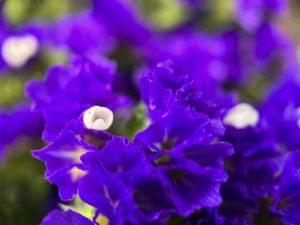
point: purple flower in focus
(180, 141)
(203, 158)
(172, 82)
(68, 91)
(185, 159)
(114, 177)
(63, 157)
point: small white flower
(17, 50)
(241, 116)
(98, 118)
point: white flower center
(17, 50)
(98, 118)
(241, 116)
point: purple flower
(287, 201)
(63, 158)
(177, 127)
(81, 33)
(251, 13)
(68, 91)
(213, 60)
(271, 44)
(109, 185)
(197, 55)
(186, 162)
(107, 194)
(252, 169)
(180, 141)
(69, 217)
(213, 216)
(281, 113)
(20, 121)
(177, 86)
(127, 25)
(192, 187)
(264, 47)
(204, 157)
(77, 34)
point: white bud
(17, 50)
(98, 118)
(241, 116)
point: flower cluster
(203, 153)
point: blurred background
(25, 196)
